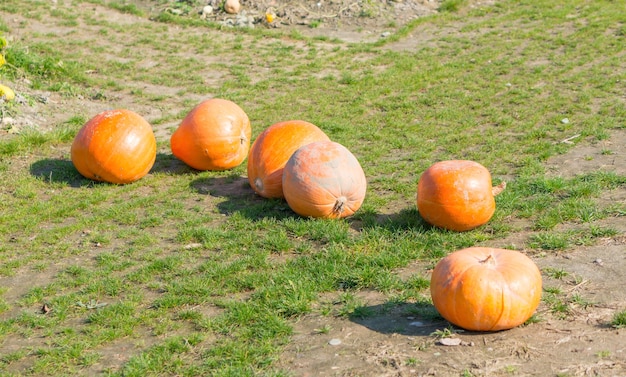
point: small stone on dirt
(450, 341)
(334, 342)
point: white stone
(334, 342)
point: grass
(204, 278)
(619, 319)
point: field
(188, 273)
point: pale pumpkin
(115, 146)
(324, 179)
(215, 135)
(271, 150)
(232, 6)
(486, 289)
(457, 195)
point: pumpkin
(323, 179)
(215, 135)
(115, 146)
(232, 6)
(457, 195)
(486, 289)
(271, 150)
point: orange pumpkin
(271, 150)
(457, 195)
(115, 146)
(324, 179)
(486, 289)
(215, 135)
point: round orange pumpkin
(323, 179)
(457, 195)
(271, 150)
(486, 289)
(115, 146)
(215, 135)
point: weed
(619, 320)
(556, 273)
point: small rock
(450, 341)
(416, 323)
(7, 121)
(565, 121)
(334, 342)
(45, 309)
(385, 34)
(206, 11)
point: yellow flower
(6, 92)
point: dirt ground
(393, 343)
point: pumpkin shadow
(409, 319)
(405, 219)
(167, 163)
(238, 197)
(59, 170)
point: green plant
(619, 319)
(451, 5)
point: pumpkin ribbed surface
(271, 150)
(215, 135)
(486, 289)
(456, 195)
(323, 179)
(115, 146)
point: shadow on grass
(167, 163)
(240, 198)
(58, 170)
(405, 219)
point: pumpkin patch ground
(583, 285)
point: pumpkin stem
(489, 257)
(497, 190)
(339, 204)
